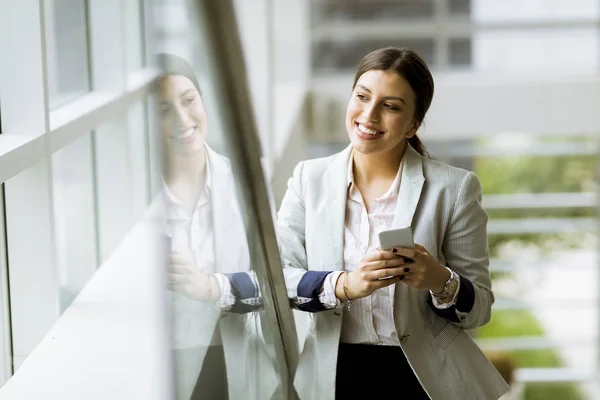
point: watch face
(452, 286)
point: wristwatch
(449, 288)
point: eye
(361, 96)
(188, 101)
(391, 107)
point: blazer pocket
(446, 336)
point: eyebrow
(186, 92)
(366, 89)
(164, 102)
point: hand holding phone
(401, 237)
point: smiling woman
(329, 239)
(183, 117)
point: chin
(364, 147)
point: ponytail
(419, 147)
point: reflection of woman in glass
(206, 235)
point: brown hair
(411, 67)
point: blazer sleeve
(303, 286)
(241, 294)
(465, 248)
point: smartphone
(402, 237)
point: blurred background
(82, 310)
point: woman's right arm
(303, 286)
(313, 291)
(240, 293)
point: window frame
(33, 131)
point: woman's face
(182, 115)
(380, 113)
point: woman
(402, 337)
(207, 240)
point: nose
(371, 112)
(182, 117)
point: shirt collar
(204, 198)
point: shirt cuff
(226, 299)
(443, 306)
(327, 294)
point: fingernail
(406, 269)
(401, 277)
(394, 250)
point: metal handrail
(227, 73)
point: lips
(367, 129)
(367, 132)
(187, 136)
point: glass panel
(5, 347)
(218, 345)
(333, 56)
(344, 10)
(461, 52)
(134, 34)
(459, 7)
(532, 51)
(74, 219)
(66, 49)
(534, 10)
(114, 184)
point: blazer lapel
(335, 188)
(411, 185)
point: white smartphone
(402, 237)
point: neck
(186, 169)
(369, 168)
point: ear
(413, 131)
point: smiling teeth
(187, 133)
(366, 130)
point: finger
(384, 264)
(177, 278)
(420, 248)
(178, 269)
(412, 279)
(379, 255)
(174, 287)
(404, 252)
(387, 272)
(385, 282)
(178, 258)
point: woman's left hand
(183, 277)
(425, 272)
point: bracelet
(449, 287)
(348, 299)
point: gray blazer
(442, 204)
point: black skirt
(367, 371)
(212, 381)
